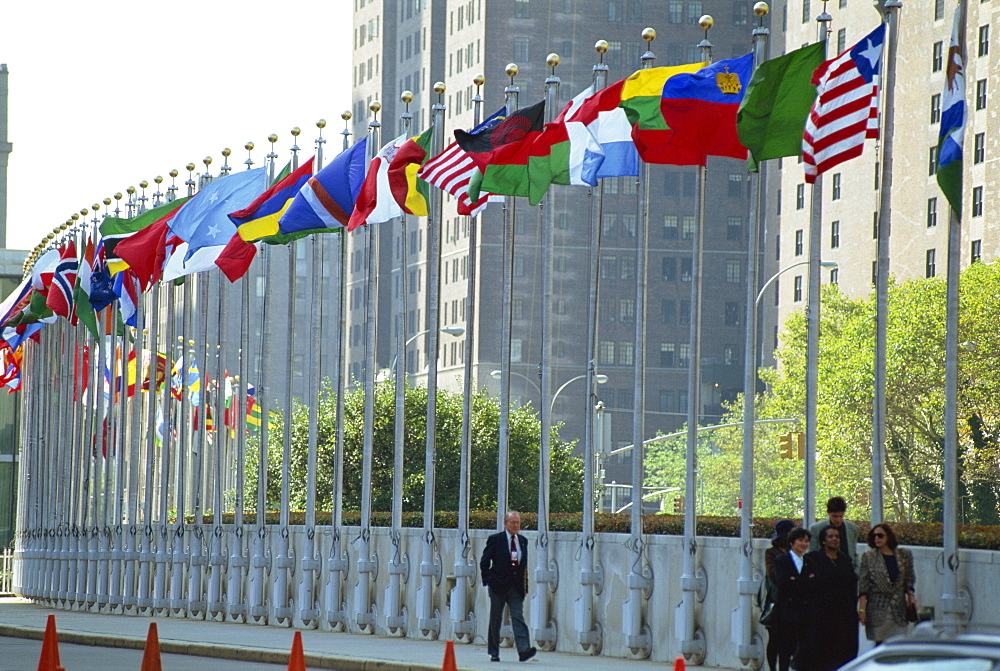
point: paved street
(21, 654)
(247, 643)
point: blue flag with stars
(204, 220)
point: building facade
(409, 45)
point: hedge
(974, 536)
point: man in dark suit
(505, 573)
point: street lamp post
(456, 331)
(600, 379)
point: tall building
(409, 45)
(850, 197)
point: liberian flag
(375, 203)
(845, 111)
(452, 170)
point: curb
(243, 654)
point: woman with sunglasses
(885, 585)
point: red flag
(236, 256)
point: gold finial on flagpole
(225, 161)
(249, 147)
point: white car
(929, 649)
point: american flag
(453, 168)
(845, 111)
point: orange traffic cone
(49, 659)
(151, 653)
(297, 660)
(679, 664)
(449, 657)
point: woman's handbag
(911, 612)
(767, 614)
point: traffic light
(792, 444)
(678, 505)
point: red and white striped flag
(451, 171)
(845, 111)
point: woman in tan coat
(885, 585)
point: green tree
(914, 409)
(566, 477)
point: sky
(111, 92)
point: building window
(522, 10)
(777, 247)
(669, 311)
(734, 274)
(669, 269)
(841, 40)
(684, 315)
(931, 212)
(515, 348)
(977, 251)
(800, 196)
(932, 161)
(666, 401)
(683, 355)
(777, 292)
(834, 234)
(875, 225)
(984, 40)
(930, 269)
(625, 353)
(937, 57)
(694, 11)
(981, 94)
(521, 49)
(878, 175)
(799, 242)
(606, 352)
(675, 11)
(628, 225)
(979, 148)
(606, 310)
(874, 273)
(797, 289)
(625, 399)
(671, 184)
(686, 270)
(741, 13)
(734, 228)
(628, 268)
(731, 355)
(938, 10)
(609, 267)
(687, 226)
(735, 185)
(805, 11)
(977, 201)
(732, 313)
(670, 226)
(836, 186)
(626, 310)
(611, 186)
(614, 10)
(517, 308)
(630, 185)
(835, 276)
(936, 108)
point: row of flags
(679, 115)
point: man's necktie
(513, 551)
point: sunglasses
(879, 535)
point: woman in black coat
(831, 636)
(791, 574)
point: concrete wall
(717, 556)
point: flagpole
(84, 418)
(238, 561)
(261, 562)
(104, 467)
(750, 648)
(693, 577)
(146, 557)
(882, 264)
(131, 541)
(336, 608)
(546, 570)
(398, 564)
(284, 562)
(115, 596)
(66, 474)
(428, 621)
(197, 605)
(161, 603)
(956, 600)
(178, 557)
(812, 321)
(310, 564)
(463, 620)
(638, 637)
(363, 611)
(591, 580)
(216, 558)
(506, 326)
(75, 465)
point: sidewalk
(324, 650)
